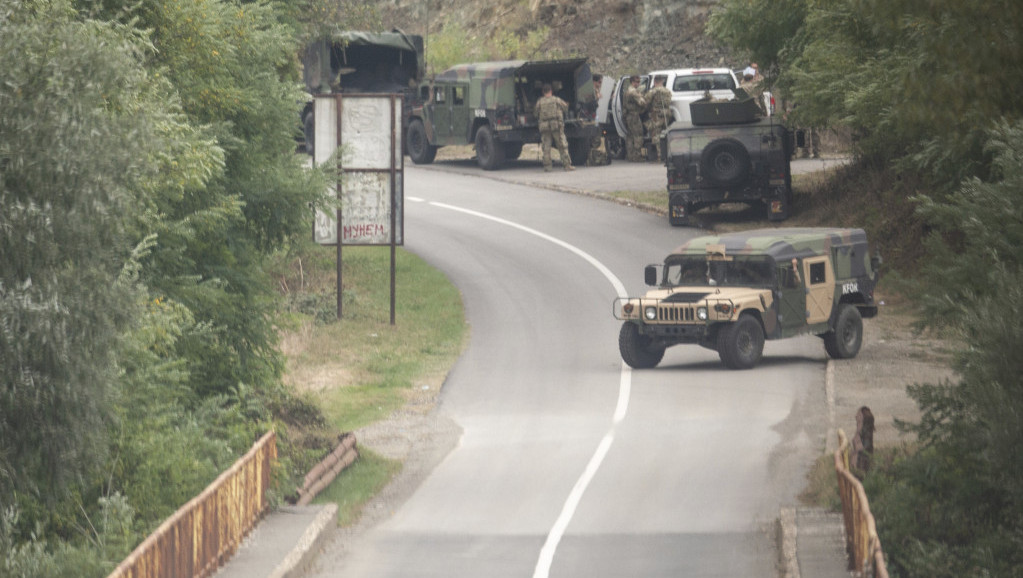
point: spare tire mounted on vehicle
(725, 162)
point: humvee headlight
(650, 313)
(701, 313)
(627, 308)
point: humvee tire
(489, 151)
(637, 350)
(741, 344)
(726, 162)
(579, 150)
(845, 341)
(615, 147)
(419, 148)
(512, 150)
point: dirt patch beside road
(892, 357)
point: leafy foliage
(957, 508)
(69, 97)
(919, 82)
(147, 169)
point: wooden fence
(206, 531)
(861, 542)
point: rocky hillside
(619, 36)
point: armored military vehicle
(730, 293)
(729, 154)
(491, 105)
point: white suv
(689, 84)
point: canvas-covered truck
(728, 154)
(732, 292)
(362, 62)
(492, 105)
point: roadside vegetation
(147, 177)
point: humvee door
(820, 288)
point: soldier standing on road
(635, 104)
(658, 101)
(550, 113)
(598, 150)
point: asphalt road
(570, 464)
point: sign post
(366, 128)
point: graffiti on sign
(366, 209)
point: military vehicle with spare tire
(492, 105)
(732, 292)
(729, 154)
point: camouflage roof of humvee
(781, 244)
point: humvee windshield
(691, 271)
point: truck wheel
(725, 162)
(489, 151)
(579, 150)
(638, 350)
(741, 344)
(512, 150)
(845, 341)
(615, 146)
(419, 148)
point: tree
(233, 66)
(72, 98)
(918, 82)
(956, 508)
(768, 31)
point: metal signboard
(367, 130)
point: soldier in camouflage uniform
(598, 150)
(635, 105)
(550, 113)
(658, 101)
(754, 88)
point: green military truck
(729, 154)
(731, 292)
(491, 105)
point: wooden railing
(203, 534)
(861, 542)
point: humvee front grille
(676, 313)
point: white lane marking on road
(543, 564)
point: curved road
(570, 464)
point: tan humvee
(731, 292)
